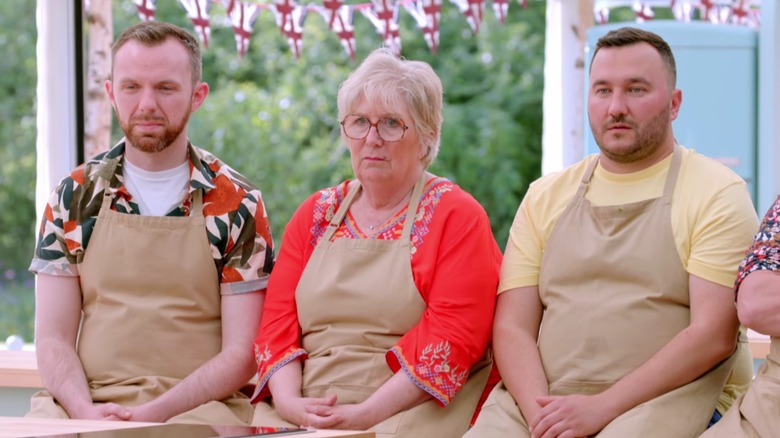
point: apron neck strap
(414, 202)
(353, 191)
(586, 178)
(196, 209)
(671, 176)
(197, 203)
(335, 221)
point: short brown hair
(627, 36)
(154, 33)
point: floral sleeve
(764, 252)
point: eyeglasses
(388, 129)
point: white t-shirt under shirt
(156, 193)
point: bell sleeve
(457, 277)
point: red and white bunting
(601, 15)
(289, 17)
(340, 18)
(198, 13)
(384, 17)
(643, 12)
(145, 9)
(427, 14)
(683, 10)
(473, 10)
(242, 17)
(501, 9)
(709, 11)
(740, 12)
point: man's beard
(153, 142)
(649, 138)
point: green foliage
(491, 140)
(17, 309)
(273, 117)
(17, 165)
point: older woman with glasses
(380, 306)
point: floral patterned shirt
(764, 252)
(455, 265)
(236, 222)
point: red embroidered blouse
(455, 263)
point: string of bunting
(290, 16)
(384, 15)
(737, 12)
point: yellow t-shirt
(713, 223)
(713, 218)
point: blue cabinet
(717, 73)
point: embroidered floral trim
(324, 209)
(265, 370)
(433, 372)
(329, 199)
(436, 189)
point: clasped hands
(324, 413)
(569, 416)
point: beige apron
(741, 373)
(151, 312)
(356, 299)
(757, 413)
(598, 328)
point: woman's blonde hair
(382, 78)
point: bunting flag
(289, 17)
(427, 14)
(601, 14)
(329, 11)
(384, 17)
(709, 11)
(340, 18)
(242, 16)
(198, 13)
(473, 10)
(501, 9)
(145, 9)
(642, 11)
(683, 10)
(432, 9)
(740, 12)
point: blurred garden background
(273, 116)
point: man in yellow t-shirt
(615, 313)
